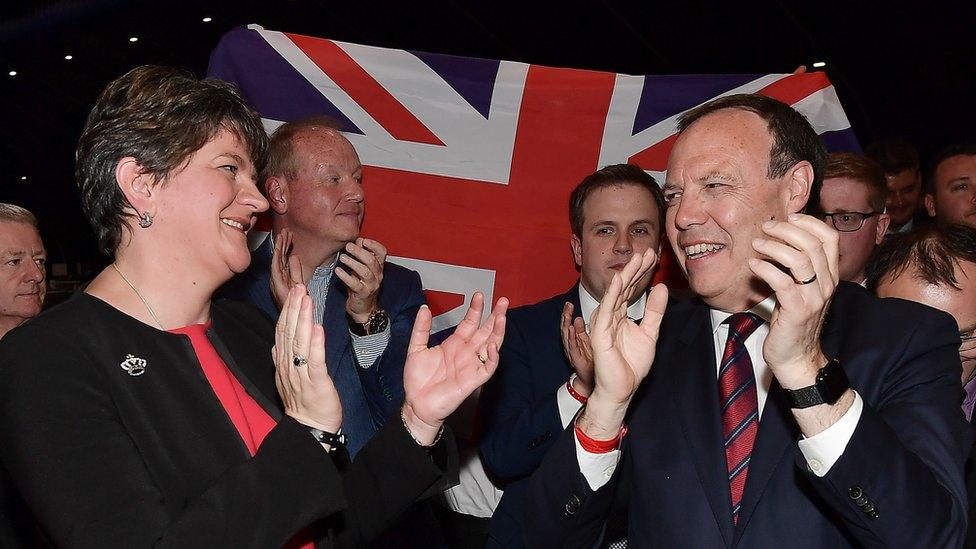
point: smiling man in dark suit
(545, 372)
(784, 408)
(313, 182)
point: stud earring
(145, 220)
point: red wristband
(594, 446)
(574, 393)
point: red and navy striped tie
(740, 408)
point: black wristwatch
(377, 322)
(831, 383)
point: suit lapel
(334, 321)
(777, 433)
(696, 399)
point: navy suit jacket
(520, 417)
(906, 454)
(381, 394)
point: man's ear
(277, 189)
(930, 204)
(884, 220)
(136, 184)
(577, 246)
(799, 183)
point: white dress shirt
(821, 451)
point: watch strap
(830, 385)
(334, 440)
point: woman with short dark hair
(142, 413)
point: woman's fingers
(317, 369)
(303, 335)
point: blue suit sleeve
(906, 456)
(382, 383)
(519, 421)
(560, 508)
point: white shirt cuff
(369, 348)
(824, 449)
(568, 406)
(596, 468)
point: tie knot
(743, 324)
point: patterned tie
(740, 408)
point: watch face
(832, 382)
(377, 322)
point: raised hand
(362, 272)
(436, 380)
(303, 381)
(576, 345)
(808, 249)
(286, 268)
(623, 350)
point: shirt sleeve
(824, 449)
(369, 348)
(568, 406)
(596, 468)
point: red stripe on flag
(365, 90)
(655, 157)
(442, 302)
(795, 87)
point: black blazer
(906, 455)
(108, 459)
(520, 417)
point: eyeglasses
(848, 222)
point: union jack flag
(468, 163)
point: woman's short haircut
(159, 116)
(13, 213)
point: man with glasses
(852, 200)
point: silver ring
(299, 360)
(807, 281)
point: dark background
(901, 68)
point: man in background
(950, 186)
(545, 372)
(936, 266)
(899, 160)
(852, 200)
(313, 181)
(22, 291)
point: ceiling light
(134, 39)
(23, 178)
(68, 57)
(207, 19)
(819, 65)
(12, 73)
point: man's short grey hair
(16, 214)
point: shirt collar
(588, 304)
(325, 270)
(763, 309)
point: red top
(251, 421)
